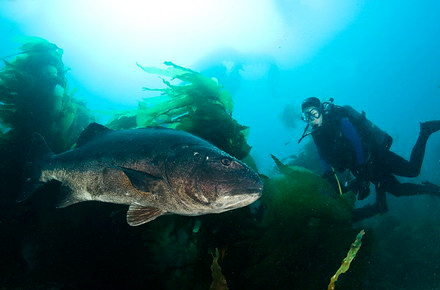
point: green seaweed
(198, 105)
(310, 195)
(197, 88)
(355, 246)
(302, 218)
(34, 97)
(218, 279)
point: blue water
(378, 56)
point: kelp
(34, 97)
(307, 193)
(198, 105)
(123, 121)
(196, 90)
(355, 246)
(218, 279)
(300, 218)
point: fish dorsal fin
(91, 132)
(141, 180)
(138, 215)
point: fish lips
(251, 186)
(246, 191)
(238, 198)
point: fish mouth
(246, 191)
(250, 199)
(229, 202)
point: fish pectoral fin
(66, 197)
(141, 180)
(138, 215)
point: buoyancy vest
(371, 135)
(335, 148)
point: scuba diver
(347, 140)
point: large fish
(153, 170)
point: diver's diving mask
(311, 114)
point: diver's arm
(351, 134)
(324, 163)
(329, 173)
(361, 185)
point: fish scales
(153, 170)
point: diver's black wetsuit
(342, 146)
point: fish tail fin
(38, 156)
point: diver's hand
(361, 187)
(362, 171)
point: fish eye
(226, 161)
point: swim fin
(427, 128)
(430, 188)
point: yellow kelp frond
(171, 71)
(355, 246)
(198, 105)
(218, 280)
(196, 88)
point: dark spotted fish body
(153, 170)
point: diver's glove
(361, 187)
(362, 171)
(361, 184)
